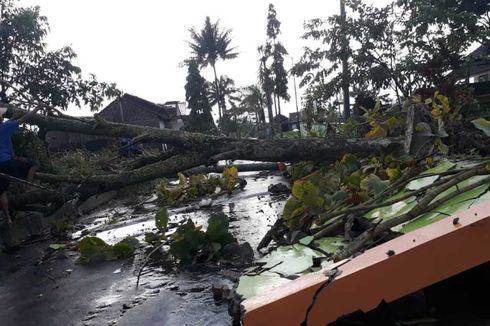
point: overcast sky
(139, 44)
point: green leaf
(150, 237)
(423, 127)
(330, 244)
(182, 180)
(125, 248)
(289, 260)
(373, 183)
(217, 230)
(443, 166)
(450, 207)
(377, 132)
(483, 125)
(251, 286)
(325, 182)
(351, 162)
(462, 184)
(57, 246)
(340, 195)
(161, 219)
(188, 240)
(292, 209)
(306, 240)
(93, 249)
(388, 212)
(423, 182)
(308, 193)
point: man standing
(19, 167)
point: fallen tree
(194, 149)
(191, 151)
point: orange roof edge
(421, 258)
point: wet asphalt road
(60, 292)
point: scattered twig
(425, 204)
(147, 259)
(12, 178)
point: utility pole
(296, 100)
(345, 66)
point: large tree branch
(426, 204)
(315, 149)
(101, 183)
(101, 127)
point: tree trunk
(280, 115)
(345, 66)
(271, 116)
(192, 150)
(218, 92)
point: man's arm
(29, 114)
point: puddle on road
(182, 297)
(252, 211)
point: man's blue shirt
(7, 129)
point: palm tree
(208, 46)
(253, 99)
(218, 95)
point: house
(295, 120)
(127, 109)
(283, 122)
(476, 75)
(478, 68)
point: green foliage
(36, 73)
(405, 46)
(277, 52)
(208, 46)
(483, 125)
(161, 219)
(28, 144)
(253, 100)
(348, 181)
(81, 163)
(57, 246)
(197, 186)
(220, 91)
(291, 261)
(196, 95)
(95, 250)
(152, 238)
(229, 179)
(372, 183)
(188, 240)
(301, 169)
(217, 230)
(125, 248)
(211, 43)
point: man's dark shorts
(17, 167)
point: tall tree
(267, 83)
(400, 48)
(208, 45)
(196, 95)
(278, 51)
(272, 75)
(253, 99)
(28, 71)
(226, 89)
